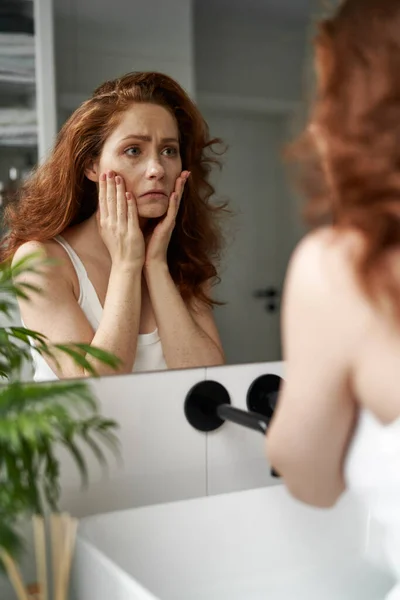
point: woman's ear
(92, 171)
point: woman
(122, 204)
(337, 424)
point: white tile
(164, 458)
(236, 456)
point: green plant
(36, 418)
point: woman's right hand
(118, 222)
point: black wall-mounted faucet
(208, 405)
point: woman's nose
(155, 170)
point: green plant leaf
(20, 396)
(78, 351)
(105, 357)
(51, 476)
(10, 540)
(22, 333)
(68, 442)
(37, 417)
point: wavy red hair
(58, 194)
(349, 154)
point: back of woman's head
(350, 150)
(58, 194)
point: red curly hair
(355, 181)
(59, 195)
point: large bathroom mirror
(246, 66)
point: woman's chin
(153, 210)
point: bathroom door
(262, 234)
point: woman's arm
(189, 337)
(314, 420)
(55, 313)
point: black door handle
(270, 292)
(272, 295)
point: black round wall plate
(201, 405)
(262, 396)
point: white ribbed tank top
(149, 354)
(372, 473)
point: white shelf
(27, 76)
(17, 62)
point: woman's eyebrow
(147, 138)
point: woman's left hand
(157, 243)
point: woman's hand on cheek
(118, 222)
(157, 243)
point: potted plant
(35, 418)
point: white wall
(250, 63)
(246, 53)
(240, 52)
(97, 40)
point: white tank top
(149, 353)
(372, 472)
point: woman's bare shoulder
(44, 250)
(325, 255)
(321, 284)
(49, 250)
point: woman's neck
(87, 235)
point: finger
(111, 196)
(178, 203)
(132, 212)
(102, 207)
(121, 199)
(181, 188)
(179, 185)
(173, 208)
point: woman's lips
(154, 193)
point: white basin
(249, 545)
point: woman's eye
(170, 151)
(134, 151)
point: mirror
(246, 67)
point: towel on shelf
(20, 65)
(19, 142)
(18, 127)
(17, 57)
(17, 130)
(17, 43)
(17, 116)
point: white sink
(249, 545)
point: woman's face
(144, 150)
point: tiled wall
(164, 458)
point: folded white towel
(17, 130)
(18, 64)
(16, 78)
(20, 142)
(22, 40)
(17, 116)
